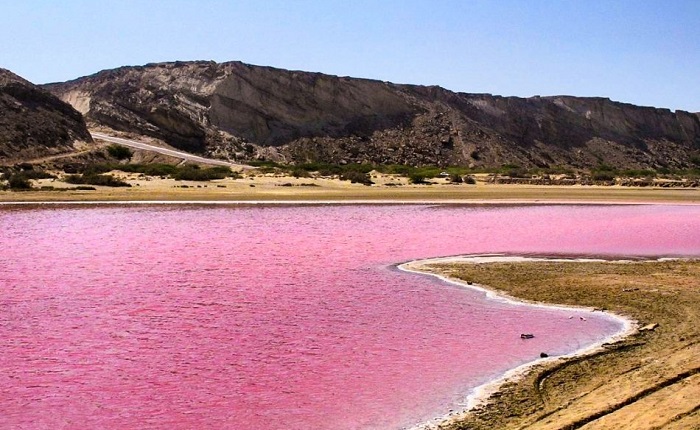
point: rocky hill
(241, 112)
(34, 123)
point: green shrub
(195, 173)
(96, 169)
(361, 168)
(324, 169)
(300, 173)
(356, 177)
(644, 173)
(456, 179)
(103, 180)
(516, 172)
(36, 174)
(395, 169)
(119, 152)
(603, 175)
(157, 169)
(263, 163)
(19, 181)
(416, 178)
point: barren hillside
(241, 112)
(35, 123)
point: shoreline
(480, 394)
(387, 188)
(377, 202)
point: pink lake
(270, 317)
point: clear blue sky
(645, 52)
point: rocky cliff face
(237, 110)
(35, 123)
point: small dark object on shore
(527, 336)
(544, 355)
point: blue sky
(645, 52)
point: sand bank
(480, 395)
(645, 378)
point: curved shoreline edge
(479, 395)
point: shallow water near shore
(282, 317)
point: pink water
(179, 317)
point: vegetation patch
(189, 172)
(195, 173)
(92, 179)
(119, 152)
(18, 178)
(356, 177)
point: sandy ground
(649, 380)
(274, 188)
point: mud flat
(647, 379)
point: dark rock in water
(34, 123)
(243, 112)
(527, 336)
(544, 355)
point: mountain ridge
(240, 111)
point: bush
(119, 152)
(416, 178)
(157, 169)
(94, 169)
(37, 174)
(395, 169)
(456, 179)
(263, 163)
(470, 180)
(643, 173)
(603, 175)
(300, 173)
(516, 172)
(19, 181)
(195, 173)
(356, 178)
(103, 180)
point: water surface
(294, 317)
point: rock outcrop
(35, 123)
(241, 111)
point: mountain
(241, 111)
(34, 123)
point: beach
(644, 378)
(386, 188)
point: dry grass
(648, 381)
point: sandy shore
(480, 395)
(387, 188)
(646, 378)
